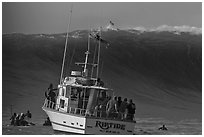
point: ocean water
(161, 72)
(144, 126)
(149, 126)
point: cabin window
(75, 94)
(68, 89)
(87, 93)
(62, 92)
(84, 98)
(62, 103)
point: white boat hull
(64, 122)
(77, 124)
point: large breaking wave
(161, 71)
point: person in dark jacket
(12, 119)
(22, 121)
(123, 108)
(28, 114)
(119, 101)
(51, 95)
(130, 110)
(17, 120)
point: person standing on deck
(111, 107)
(51, 95)
(123, 108)
(130, 110)
(119, 101)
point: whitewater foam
(174, 29)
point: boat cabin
(80, 96)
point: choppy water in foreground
(144, 126)
(150, 126)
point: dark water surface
(144, 126)
(161, 72)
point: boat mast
(92, 69)
(86, 60)
(65, 47)
(99, 47)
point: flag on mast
(112, 26)
(111, 23)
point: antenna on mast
(66, 43)
(86, 64)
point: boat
(80, 106)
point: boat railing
(113, 115)
(77, 111)
(52, 105)
(83, 112)
(49, 104)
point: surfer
(22, 121)
(16, 121)
(47, 122)
(19, 120)
(12, 119)
(28, 114)
(162, 128)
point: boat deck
(82, 112)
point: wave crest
(176, 29)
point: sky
(53, 17)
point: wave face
(160, 71)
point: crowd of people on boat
(109, 107)
(116, 108)
(21, 119)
